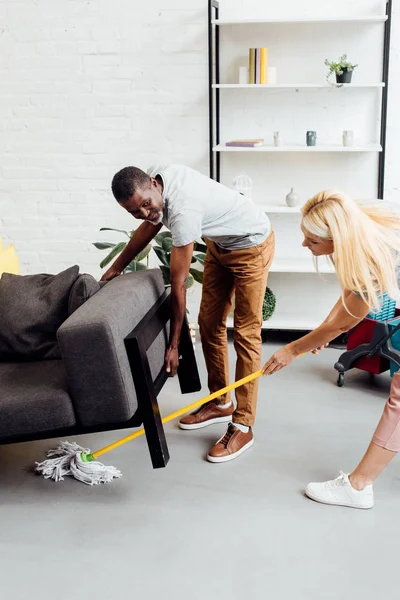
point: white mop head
(67, 461)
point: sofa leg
(147, 402)
(189, 379)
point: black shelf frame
(215, 104)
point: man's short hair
(127, 181)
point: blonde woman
(363, 244)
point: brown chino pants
(243, 273)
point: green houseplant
(162, 248)
(343, 69)
(116, 248)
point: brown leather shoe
(208, 414)
(232, 444)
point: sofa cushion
(32, 308)
(33, 398)
(83, 288)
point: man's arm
(142, 236)
(179, 269)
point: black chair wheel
(340, 380)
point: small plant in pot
(343, 70)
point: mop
(71, 459)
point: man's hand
(282, 358)
(171, 361)
(110, 274)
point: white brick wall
(89, 86)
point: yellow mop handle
(180, 412)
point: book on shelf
(252, 65)
(258, 63)
(252, 143)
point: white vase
(277, 138)
(242, 183)
(348, 138)
(292, 199)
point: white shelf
(295, 86)
(279, 209)
(306, 265)
(364, 19)
(300, 148)
(286, 322)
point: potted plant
(343, 69)
(162, 248)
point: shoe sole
(220, 459)
(315, 499)
(206, 423)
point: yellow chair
(9, 262)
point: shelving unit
(291, 322)
(362, 19)
(286, 265)
(297, 277)
(295, 86)
(310, 149)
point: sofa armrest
(93, 350)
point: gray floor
(197, 530)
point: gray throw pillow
(32, 308)
(84, 287)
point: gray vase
(311, 138)
(292, 199)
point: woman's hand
(282, 358)
(316, 350)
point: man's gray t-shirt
(196, 206)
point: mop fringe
(66, 460)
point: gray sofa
(110, 372)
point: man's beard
(156, 220)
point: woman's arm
(338, 321)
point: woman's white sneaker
(339, 491)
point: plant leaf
(141, 267)
(111, 229)
(143, 254)
(166, 274)
(201, 257)
(103, 245)
(189, 281)
(167, 244)
(135, 266)
(160, 236)
(162, 256)
(197, 275)
(116, 250)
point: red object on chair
(363, 335)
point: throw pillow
(32, 308)
(84, 287)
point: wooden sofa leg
(147, 403)
(189, 379)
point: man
(240, 249)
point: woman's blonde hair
(365, 241)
